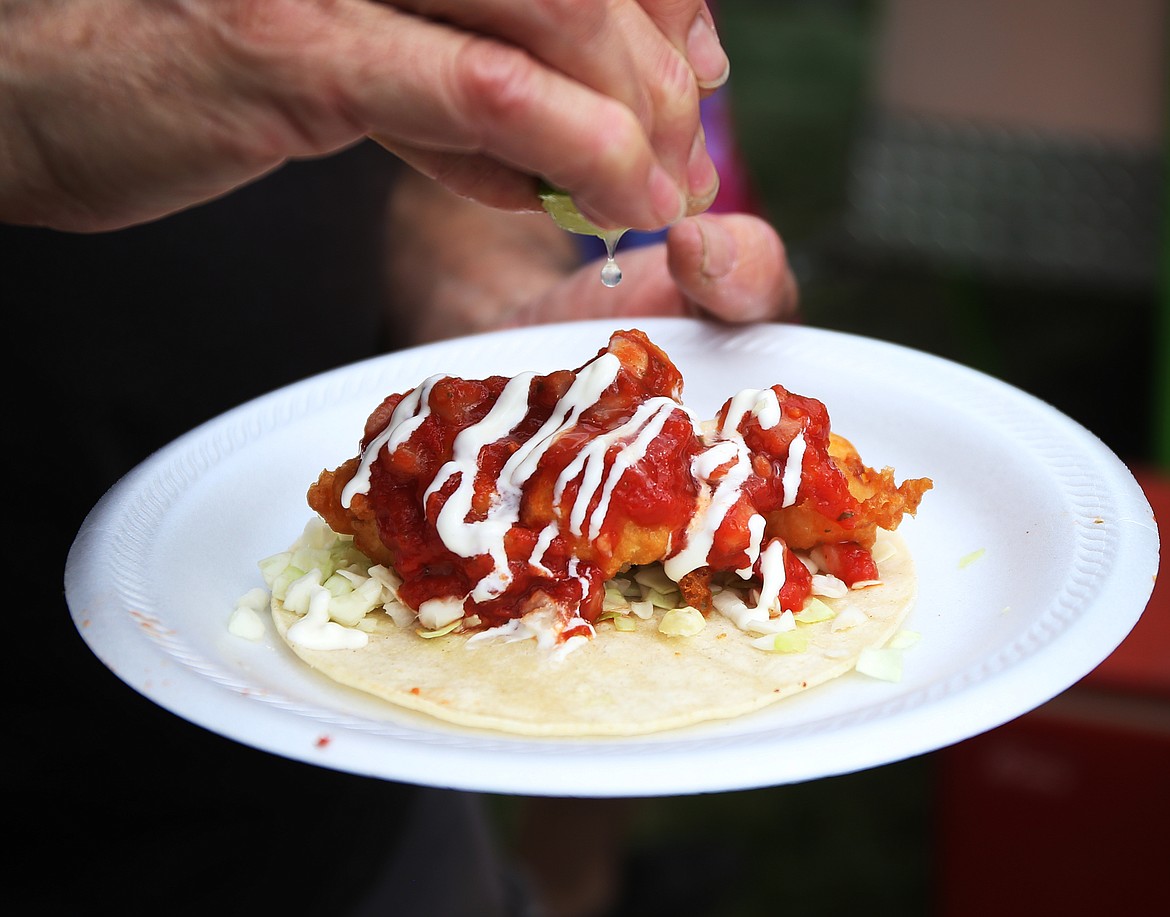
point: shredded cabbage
(788, 641)
(682, 622)
(967, 559)
(904, 639)
(246, 622)
(814, 610)
(325, 578)
(884, 663)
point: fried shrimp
(506, 494)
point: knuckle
(607, 147)
(249, 24)
(493, 80)
(576, 20)
(683, 11)
(624, 132)
(261, 42)
(676, 83)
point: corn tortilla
(618, 683)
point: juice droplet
(611, 274)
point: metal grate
(1007, 200)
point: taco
(577, 554)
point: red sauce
(648, 510)
(848, 561)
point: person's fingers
(477, 96)
(164, 107)
(690, 27)
(473, 176)
(615, 48)
(583, 39)
(646, 290)
(733, 266)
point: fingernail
(702, 177)
(665, 197)
(718, 249)
(706, 55)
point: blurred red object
(1141, 664)
(1065, 810)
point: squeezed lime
(559, 205)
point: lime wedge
(564, 212)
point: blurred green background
(803, 95)
(1089, 338)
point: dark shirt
(122, 341)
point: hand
(731, 267)
(114, 112)
(655, 58)
(463, 268)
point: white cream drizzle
(408, 415)
(644, 426)
(761, 403)
(733, 455)
(793, 469)
(772, 574)
(764, 405)
(729, 447)
(543, 541)
(755, 538)
(316, 631)
(593, 379)
(582, 579)
(725, 451)
(541, 625)
(486, 536)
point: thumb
(646, 290)
(733, 266)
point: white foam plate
(1069, 551)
